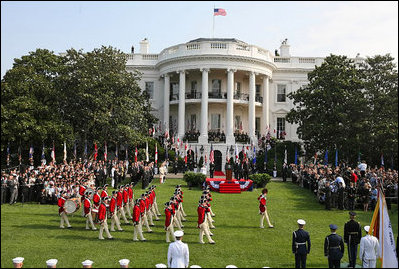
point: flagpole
(213, 27)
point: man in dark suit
(352, 236)
(285, 172)
(299, 239)
(334, 248)
(211, 169)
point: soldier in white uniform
(368, 249)
(178, 254)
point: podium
(229, 173)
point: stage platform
(234, 186)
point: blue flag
(336, 157)
(254, 159)
(326, 157)
(296, 156)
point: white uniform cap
(18, 260)
(179, 233)
(160, 265)
(51, 262)
(87, 262)
(367, 228)
(301, 222)
(195, 266)
(231, 266)
(124, 262)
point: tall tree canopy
(76, 96)
(350, 107)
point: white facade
(253, 85)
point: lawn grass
(32, 231)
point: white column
(166, 102)
(251, 107)
(203, 139)
(230, 107)
(265, 107)
(182, 103)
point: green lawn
(32, 231)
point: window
(238, 88)
(215, 122)
(149, 88)
(216, 86)
(237, 123)
(281, 90)
(193, 122)
(280, 127)
(174, 91)
(194, 87)
(257, 88)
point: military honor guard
(87, 209)
(143, 213)
(119, 204)
(263, 209)
(61, 210)
(334, 248)
(202, 223)
(104, 193)
(299, 247)
(176, 220)
(169, 222)
(96, 203)
(148, 209)
(137, 222)
(368, 251)
(178, 187)
(352, 236)
(152, 204)
(208, 211)
(82, 190)
(130, 195)
(102, 218)
(113, 213)
(126, 202)
(153, 187)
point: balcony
(217, 95)
(193, 95)
(259, 99)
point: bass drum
(72, 205)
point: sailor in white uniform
(368, 251)
(178, 255)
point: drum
(72, 205)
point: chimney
(144, 46)
(285, 49)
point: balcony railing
(193, 95)
(259, 99)
(217, 95)
(241, 96)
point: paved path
(180, 176)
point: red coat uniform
(112, 205)
(104, 194)
(130, 193)
(119, 199)
(142, 207)
(168, 215)
(173, 209)
(136, 213)
(151, 199)
(201, 214)
(61, 203)
(125, 196)
(102, 212)
(147, 203)
(87, 206)
(96, 200)
(82, 190)
(262, 203)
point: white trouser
(156, 206)
(209, 219)
(103, 226)
(204, 229)
(89, 220)
(121, 212)
(149, 216)
(128, 209)
(182, 217)
(213, 214)
(115, 220)
(369, 263)
(64, 218)
(145, 222)
(176, 221)
(170, 231)
(138, 230)
(264, 215)
(154, 212)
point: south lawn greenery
(32, 231)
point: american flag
(95, 151)
(219, 12)
(53, 153)
(156, 154)
(65, 151)
(105, 152)
(211, 155)
(135, 155)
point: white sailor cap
(231, 266)
(195, 266)
(18, 260)
(87, 262)
(178, 233)
(51, 262)
(160, 265)
(301, 222)
(367, 228)
(124, 262)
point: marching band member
(169, 222)
(202, 223)
(113, 212)
(130, 195)
(174, 206)
(152, 205)
(263, 209)
(208, 212)
(119, 203)
(126, 203)
(155, 201)
(102, 217)
(178, 187)
(96, 203)
(87, 210)
(82, 190)
(143, 213)
(148, 209)
(137, 222)
(210, 199)
(61, 210)
(179, 199)
(104, 193)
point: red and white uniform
(119, 199)
(104, 194)
(130, 193)
(112, 206)
(201, 215)
(262, 203)
(136, 214)
(102, 213)
(96, 201)
(142, 207)
(87, 206)
(168, 217)
(82, 190)
(61, 203)
(125, 197)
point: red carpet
(219, 173)
(229, 187)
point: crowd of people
(346, 187)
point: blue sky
(312, 28)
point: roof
(217, 40)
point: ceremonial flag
(326, 157)
(53, 153)
(265, 159)
(296, 156)
(116, 151)
(156, 154)
(336, 157)
(135, 155)
(185, 152)
(147, 157)
(285, 155)
(8, 154)
(95, 151)
(74, 151)
(236, 153)
(227, 154)
(315, 158)
(85, 151)
(206, 161)
(43, 156)
(381, 228)
(31, 154)
(65, 151)
(219, 12)
(254, 157)
(211, 155)
(105, 151)
(19, 154)
(382, 159)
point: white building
(222, 84)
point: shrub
(194, 179)
(260, 180)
